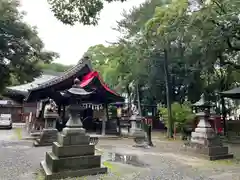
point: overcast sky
(72, 41)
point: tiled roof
(233, 91)
(24, 88)
(67, 74)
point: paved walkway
(20, 161)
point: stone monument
(72, 155)
(49, 133)
(205, 141)
(136, 131)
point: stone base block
(49, 175)
(75, 130)
(47, 137)
(56, 164)
(205, 139)
(219, 157)
(73, 139)
(143, 145)
(70, 151)
(203, 135)
(37, 143)
(137, 133)
(211, 153)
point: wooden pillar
(21, 115)
(224, 116)
(107, 115)
(59, 108)
(139, 101)
(64, 113)
(105, 118)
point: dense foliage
(202, 48)
(20, 47)
(181, 115)
(54, 67)
(200, 44)
(83, 11)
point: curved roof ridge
(23, 88)
(66, 74)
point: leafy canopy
(83, 11)
(20, 47)
(181, 114)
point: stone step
(219, 157)
(48, 138)
(207, 142)
(100, 136)
(73, 139)
(214, 151)
(38, 143)
(74, 150)
(66, 174)
(222, 154)
(56, 164)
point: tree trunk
(170, 123)
(222, 88)
(138, 101)
(129, 99)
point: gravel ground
(19, 160)
(169, 164)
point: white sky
(72, 41)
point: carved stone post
(49, 133)
(206, 142)
(136, 131)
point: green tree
(83, 11)
(105, 63)
(54, 67)
(202, 48)
(181, 114)
(20, 47)
(205, 42)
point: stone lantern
(204, 139)
(72, 155)
(49, 133)
(136, 130)
(135, 124)
(202, 105)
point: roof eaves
(70, 72)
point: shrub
(181, 115)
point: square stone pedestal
(49, 133)
(138, 134)
(47, 137)
(72, 156)
(204, 141)
(135, 131)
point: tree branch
(236, 66)
(220, 6)
(231, 46)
